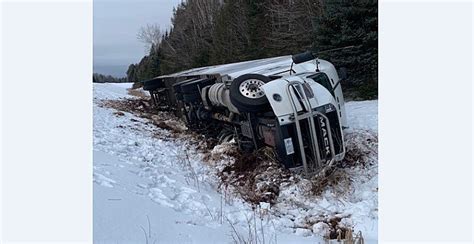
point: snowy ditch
(211, 193)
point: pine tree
(131, 75)
(258, 29)
(351, 23)
(231, 35)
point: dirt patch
(330, 227)
(137, 85)
(118, 114)
(361, 149)
(131, 105)
(137, 92)
(338, 180)
(143, 108)
(336, 230)
(256, 176)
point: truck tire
(246, 95)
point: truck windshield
(323, 80)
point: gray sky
(116, 23)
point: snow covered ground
(363, 115)
(150, 187)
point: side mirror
(342, 73)
(303, 57)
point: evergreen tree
(258, 29)
(231, 34)
(351, 23)
(131, 75)
(223, 31)
(100, 78)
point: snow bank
(111, 90)
(363, 115)
(153, 187)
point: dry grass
(138, 93)
(256, 177)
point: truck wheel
(246, 95)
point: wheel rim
(251, 88)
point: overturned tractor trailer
(293, 104)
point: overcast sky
(116, 23)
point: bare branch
(150, 35)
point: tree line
(100, 78)
(223, 31)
